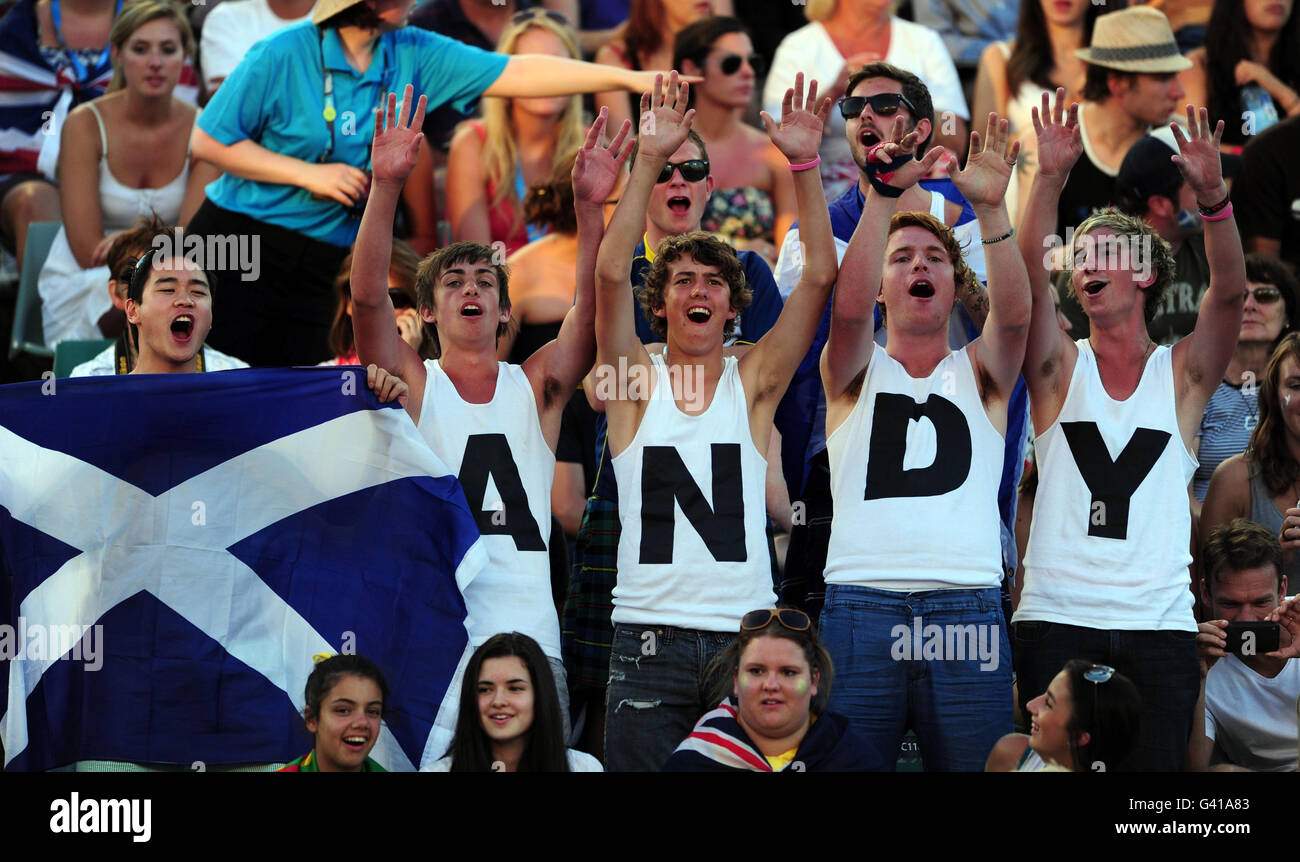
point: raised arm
(849, 345)
(595, 174)
(528, 75)
(984, 181)
(663, 129)
(393, 156)
(1049, 350)
(1203, 355)
(778, 353)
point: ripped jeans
(658, 688)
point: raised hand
(799, 135)
(1059, 143)
(1287, 615)
(895, 150)
(1198, 157)
(988, 168)
(664, 118)
(598, 165)
(397, 143)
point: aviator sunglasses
(730, 64)
(882, 104)
(693, 170)
(1266, 295)
(794, 620)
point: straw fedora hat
(326, 9)
(1137, 39)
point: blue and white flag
(174, 549)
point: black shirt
(1266, 194)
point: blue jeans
(1162, 664)
(937, 662)
(659, 686)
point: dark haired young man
(1106, 566)
(688, 430)
(494, 424)
(1247, 705)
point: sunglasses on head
(730, 64)
(693, 170)
(882, 104)
(536, 12)
(1266, 295)
(794, 620)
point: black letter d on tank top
(489, 454)
(952, 449)
(1112, 483)
(664, 478)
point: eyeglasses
(882, 104)
(536, 12)
(1263, 295)
(730, 64)
(693, 170)
(401, 299)
(794, 620)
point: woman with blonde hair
(123, 156)
(515, 146)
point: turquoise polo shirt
(276, 97)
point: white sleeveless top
(914, 478)
(692, 500)
(73, 298)
(506, 468)
(1113, 556)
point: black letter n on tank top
(1112, 483)
(489, 455)
(886, 476)
(665, 479)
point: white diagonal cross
(130, 540)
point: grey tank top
(1264, 511)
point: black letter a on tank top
(1112, 483)
(664, 478)
(885, 474)
(489, 454)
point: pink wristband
(806, 165)
(1226, 212)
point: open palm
(799, 134)
(1060, 140)
(664, 118)
(598, 165)
(987, 173)
(396, 146)
(1198, 155)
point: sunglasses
(537, 12)
(693, 170)
(730, 64)
(400, 298)
(794, 620)
(1263, 295)
(882, 104)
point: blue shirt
(276, 98)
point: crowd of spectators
(544, 191)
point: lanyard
(329, 113)
(83, 76)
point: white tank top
(914, 480)
(121, 205)
(1108, 548)
(692, 500)
(506, 468)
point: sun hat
(326, 9)
(1138, 39)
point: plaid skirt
(586, 632)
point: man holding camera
(1250, 675)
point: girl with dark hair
(1271, 311)
(1250, 63)
(753, 204)
(1263, 483)
(1013, 75)
(401, 290)
(1086, 721)
(345, 699)
(773, 683)
(509, 717)
(645, 41)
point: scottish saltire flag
(210, 533)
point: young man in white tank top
(687, 432)
(1106, 568)
(493, 423)
(915, 434)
